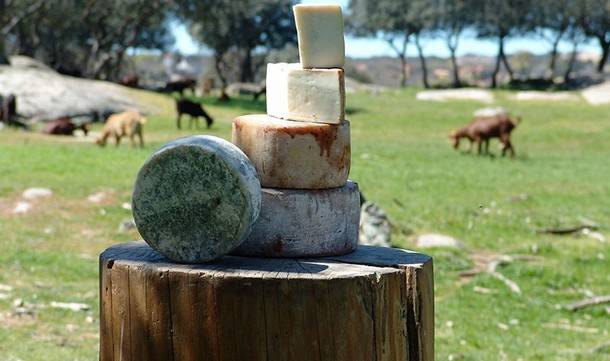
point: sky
(364, 48)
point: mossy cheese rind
(196, 199)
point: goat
(131, 81)
(64, 126)
(180, 85)
(127, 123)
(482, 129)
(195, 110)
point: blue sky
(362, 48)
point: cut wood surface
(373, 304)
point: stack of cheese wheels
(301, 148)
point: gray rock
(126, 225)
(196, 199)
(305, 223)
(35, 193)
(43, 94)
(375, 228)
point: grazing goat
(482, 129)
(131, 81)
(195, 110)
(64, 126)
(128, 124)
(180, 85)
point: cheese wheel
(307, 95)
(305, 223)
(320, 33)
(294, 155)
(196, 198)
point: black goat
(195, 110)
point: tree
(421, 15)
(12, 14)
(240, 28)
(452, 17)
(389, 20)
(595, 22)
(500, 19)
(553, 20)
(88, 37)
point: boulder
(43, 94)
(375, 227)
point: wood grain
(374, 304)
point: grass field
(402, 161)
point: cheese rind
(307, 95)
(295, 155)
(320, 33)
(305, 223)
(196, 199)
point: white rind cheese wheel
(305, 223)
(306, 95)
(295, 155)
(320, 33)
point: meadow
(403, 161)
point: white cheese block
(307, 95)
(294, 155)
(320, 33)
(305, 223)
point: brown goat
(64, 126)
(128, 124)
(482, 129)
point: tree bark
(604, 43)
(246, 75)
(568, 72)
(374, 304)
(452, 44)
(494, 76)
(553, 61)
(422, 61)
(403, 71)
(509, 70)
(402, 56)
(218, 65)
(3, 57)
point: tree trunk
(452, 44)
(3, 55)
(402, 56)
(494, 76)
(605, 45)
(422, 61)
(374, 304)
(246, 68)
(553, 62)
(566, 76)
(218, 65)
(509, 70)
(403, 71)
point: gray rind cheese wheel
(305, 223)
(196, 199)
(295, 155)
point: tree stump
(373, 304)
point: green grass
(402, 161)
